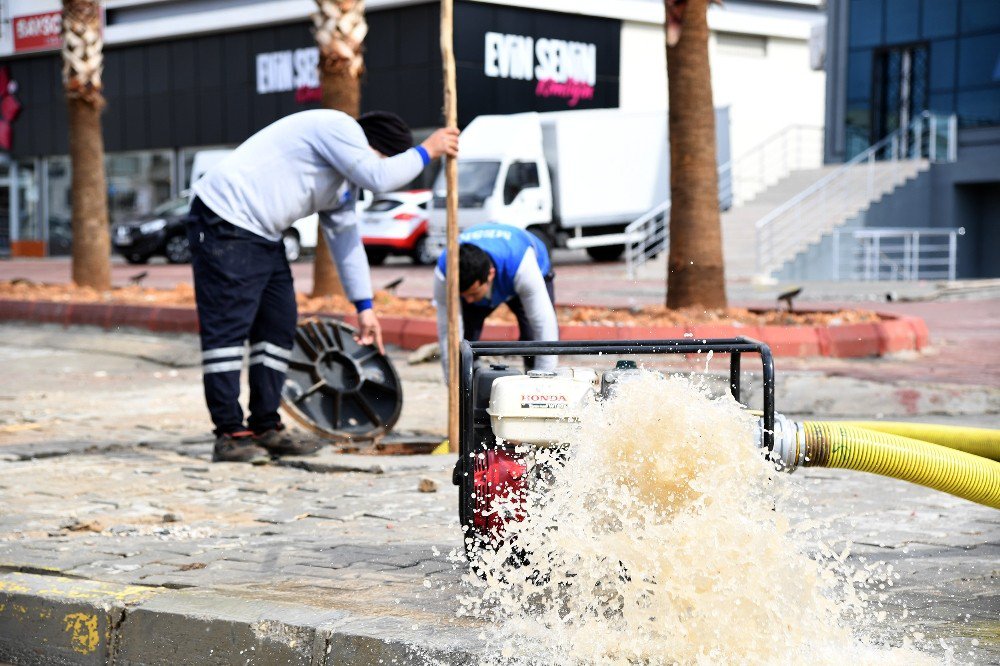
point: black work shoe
(238, 447)
(278, 443)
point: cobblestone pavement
(104, 476)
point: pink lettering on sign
(37, 32)
(573, 91)
(306, 94)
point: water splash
(656, 541)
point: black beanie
(386, 132)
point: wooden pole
(451, 177)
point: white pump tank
(541, 407)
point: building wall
(961, 40)
(766, 82)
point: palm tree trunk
(82, 67)
(340, 30)
(695, 269)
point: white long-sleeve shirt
(529, 285)
(306, 163)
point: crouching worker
(499, 264)
(305, 163)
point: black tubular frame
(735, 347)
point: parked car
(301, 237)
(396, 223)
(160, 232)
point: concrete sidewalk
(121, 543)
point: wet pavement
(120, 541)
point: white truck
(574, 178)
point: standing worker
(498, 264)
(305, 163)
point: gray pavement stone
(351, 537)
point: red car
(396, 223)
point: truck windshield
(476, 181)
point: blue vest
(506, 246)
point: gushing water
(655, 540)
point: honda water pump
(505, 413)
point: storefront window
(58, 205)
(137, 182)
(187, 164)
(20, 229)
(29, 227)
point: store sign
(285, 71)
(37, 32)
(561, 68)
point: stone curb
(893, 334)
(50, 619)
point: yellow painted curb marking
(84, 629)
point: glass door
(900, 88)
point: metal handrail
(790, 156)
(656, 240)
(904, 262)
(823, 192)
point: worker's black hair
(386, 132)
(473, 265)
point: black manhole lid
(337, 387)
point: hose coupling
(789, 443)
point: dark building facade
(168, 99)
(890, 60)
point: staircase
(796, 147)
(739, 235)
(837, 197)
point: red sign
(37, 32)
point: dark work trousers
(473, 317)
(243, 287)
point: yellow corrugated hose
(959, 473)
(982, 442)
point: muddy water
(656, 541)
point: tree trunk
(82, 67)
(695, 269)
(340, 29)
(91, 241)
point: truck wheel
(177, 249)
(542, 234)
(376, 255)
(606, 253)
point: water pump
(505, 412)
